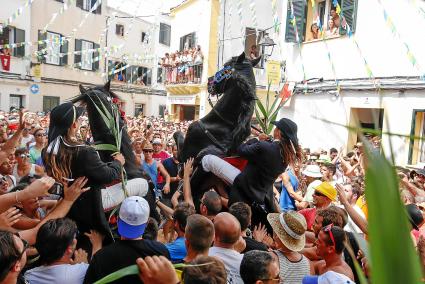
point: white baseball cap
(156, 141)
(330, 277)
(312, 171)
(133, 217)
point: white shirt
(232, 262)
(351, 226)
(310, 190)
(62, 273)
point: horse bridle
(224, 74)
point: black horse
(228, 124)
(99, 97)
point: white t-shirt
(351, 226)
(25, 140)
(232, 262)
(62, 273)
(310, 190)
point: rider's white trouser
(220, 168)
(114, 195)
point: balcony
(183, 80)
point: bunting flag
(15, 15)
(253, 10)
(239, 7)
(396, 34)
(62, 10)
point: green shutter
(41, 46)
(300, 8)
(80, 4)
(148, 77)
(348, 15)
(96, 61)
(98, 9)
(64, 49)
(77, 57)
(19, 37)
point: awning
(182, 100)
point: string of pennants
(17, 13)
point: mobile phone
(57, 189)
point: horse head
(237, 67)
(101, 99)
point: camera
(57, 189)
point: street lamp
(267, 45)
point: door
(188, 112)
(49, 103)
(15, 101)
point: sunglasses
(24, 156)
(41, 135)
(328, 229)
(147, 151)
(319, 194)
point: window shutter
(300, 16)
(19, 38)
(78, 47)
(41, 46)
(98, 9)
(80, 3)
(64, 49)
(182, 43)
(349, 16)
(96, 61)
(148, 77)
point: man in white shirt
(227, 236)
(56, 242)
(313, 177)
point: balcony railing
(184, 74)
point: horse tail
(179, 140)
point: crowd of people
(322, 215)
(183, 66)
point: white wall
(311, 112)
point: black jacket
(255, 183)
(87, 211)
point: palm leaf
(133, 270)
(106, 147)
(260, 121)
(262, 109)
(268, 95)
(272, 118)
(393, 257)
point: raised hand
(156, 270)
(76, 189)
(9, 217)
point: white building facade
(133, 67)
(367, 75)
(15, 80)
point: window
(417, 146)
(52, 45)
(49, 103)
(320, 21)
(16, 101)
(161, 110)
(164, 34)
(159, 75)
(12, 35)
(86, 60)
(88, 5)
(187, 41)
(145, 38)
(119, 30)
(252, 49)
(139, 109)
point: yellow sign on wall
(37, 72)
(273, 72)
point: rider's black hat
(288, 128)
(61, 119)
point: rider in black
(66, 159)
(266, 161)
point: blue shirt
(286, 202)
(152, 171)
(177, 249)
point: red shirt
(309, 215)
(159, 157)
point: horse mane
(243, 123)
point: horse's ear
(241, 57)
(255, 61)
(107, 86)
(82, 90)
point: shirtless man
(329, 246)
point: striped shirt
(292, 272)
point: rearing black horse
(228, 124)
(99, 97)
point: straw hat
(147, 146)
(290, 227)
